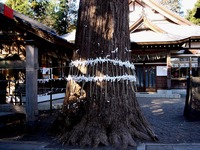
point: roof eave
(162, 42)
(35, 28)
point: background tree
(60, 15)
(100, 106)
(65, 16)
(173, 5)
(191, 13)
(42, 11)
(22, 6)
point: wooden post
(168, 70)
(198, 67)
(51, 89)
(190, 64)
(144, 77)
(31, 83)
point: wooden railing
(15, 91)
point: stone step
(157, 95)
(12, 119)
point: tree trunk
(100, 106)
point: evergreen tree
(43, 11)
(59, 15)
(39, 9)
(65, 17)
(21, 6)
(173, 5)
(191, 13)
(72, 15)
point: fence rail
(15, 91)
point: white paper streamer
(128, 50)
(100, 60)
(47, 80)
(82, 78)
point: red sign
(8, 12)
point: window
(181, 67)
(180, 70)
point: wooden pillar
(31, 83)
(168, 69)
(198, 67)
(190, 64)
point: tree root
(116, 121)
(94, 133)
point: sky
(188, 4)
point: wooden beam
(40, 30)
(167, 13)
(198, 67)
(144, 20)
(12, 64)
(152, 26)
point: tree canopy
(191, 13)
(173, 5)
(21, 6)
(65, 17)
(59, 15)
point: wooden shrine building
(165, 47)
(28, 47)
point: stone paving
(166, 117)
(190, 146)
(174, 131)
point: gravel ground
(165, 116)
(168, 122)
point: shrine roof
(10, 17)
(152, 23)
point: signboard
(161, 71)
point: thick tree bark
(101, 86)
